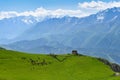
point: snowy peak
(108, 14)
(115, 9)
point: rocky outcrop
(115, 67)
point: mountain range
(96, 35)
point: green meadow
(23, 66)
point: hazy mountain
(96, 35)
(12, 27)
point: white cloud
(7, 14)
(61, 13)
(85, 9)
(41, 13)
(99, 5)
(96, 6)
(38, 12)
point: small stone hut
(74, 52)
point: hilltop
(22, 66)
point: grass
(17, 66)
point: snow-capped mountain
(96, 35)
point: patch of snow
(100, 18)
(27, 21)
(114, 18)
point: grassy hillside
(21, 66)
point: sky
(78, 8)
(23, 5)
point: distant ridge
(1, 48)
(95, 35)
